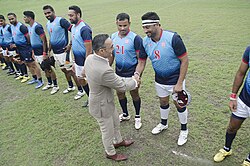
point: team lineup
(91, 69)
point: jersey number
(157, 54)
(118, 51)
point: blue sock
(123, 104)
(24, 69)
(164, 121)
(35, 77)
(70, 83)
(17, 66)
(86, 89)
(183, 126)
(229, 141)
(11, 66)
(137, 105)
(49, 80)
(80, 88)
(55, 82)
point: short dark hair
(122, 17)
(76, 9)
(150, 16)
(2, 17)
(48, 7)
(11, 14)
(29, 14)
(98, 41)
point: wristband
(233, 96)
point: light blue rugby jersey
(80, 33)
(164, 55)
(7, 37)
(58, 32)
(36, 43)
(18, 33)
(125, 49)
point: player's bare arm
(45, 46)
(88, 46)
(183, 71)
(140, 67)
(238, 80)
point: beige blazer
(102, 80)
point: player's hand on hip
(233, 105)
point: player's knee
(121, 95)
(84, 82)
(135, 96)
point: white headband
(149, 22)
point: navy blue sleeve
(143, 54)
(9, 29)
(65, 24)
(137, 43)
(178, 46)
(24, 29)
(39, 30)
(139, 47)
(86, 34)
(246, 55)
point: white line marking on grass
(200, 160)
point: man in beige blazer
(102, 80)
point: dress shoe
(125, 143)
(117, 157)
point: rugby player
(168, 55)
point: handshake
(137, 78)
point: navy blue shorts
(26, 54)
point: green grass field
(38, 129)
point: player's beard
(74, 21)
(123, 32)
(151, 34)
